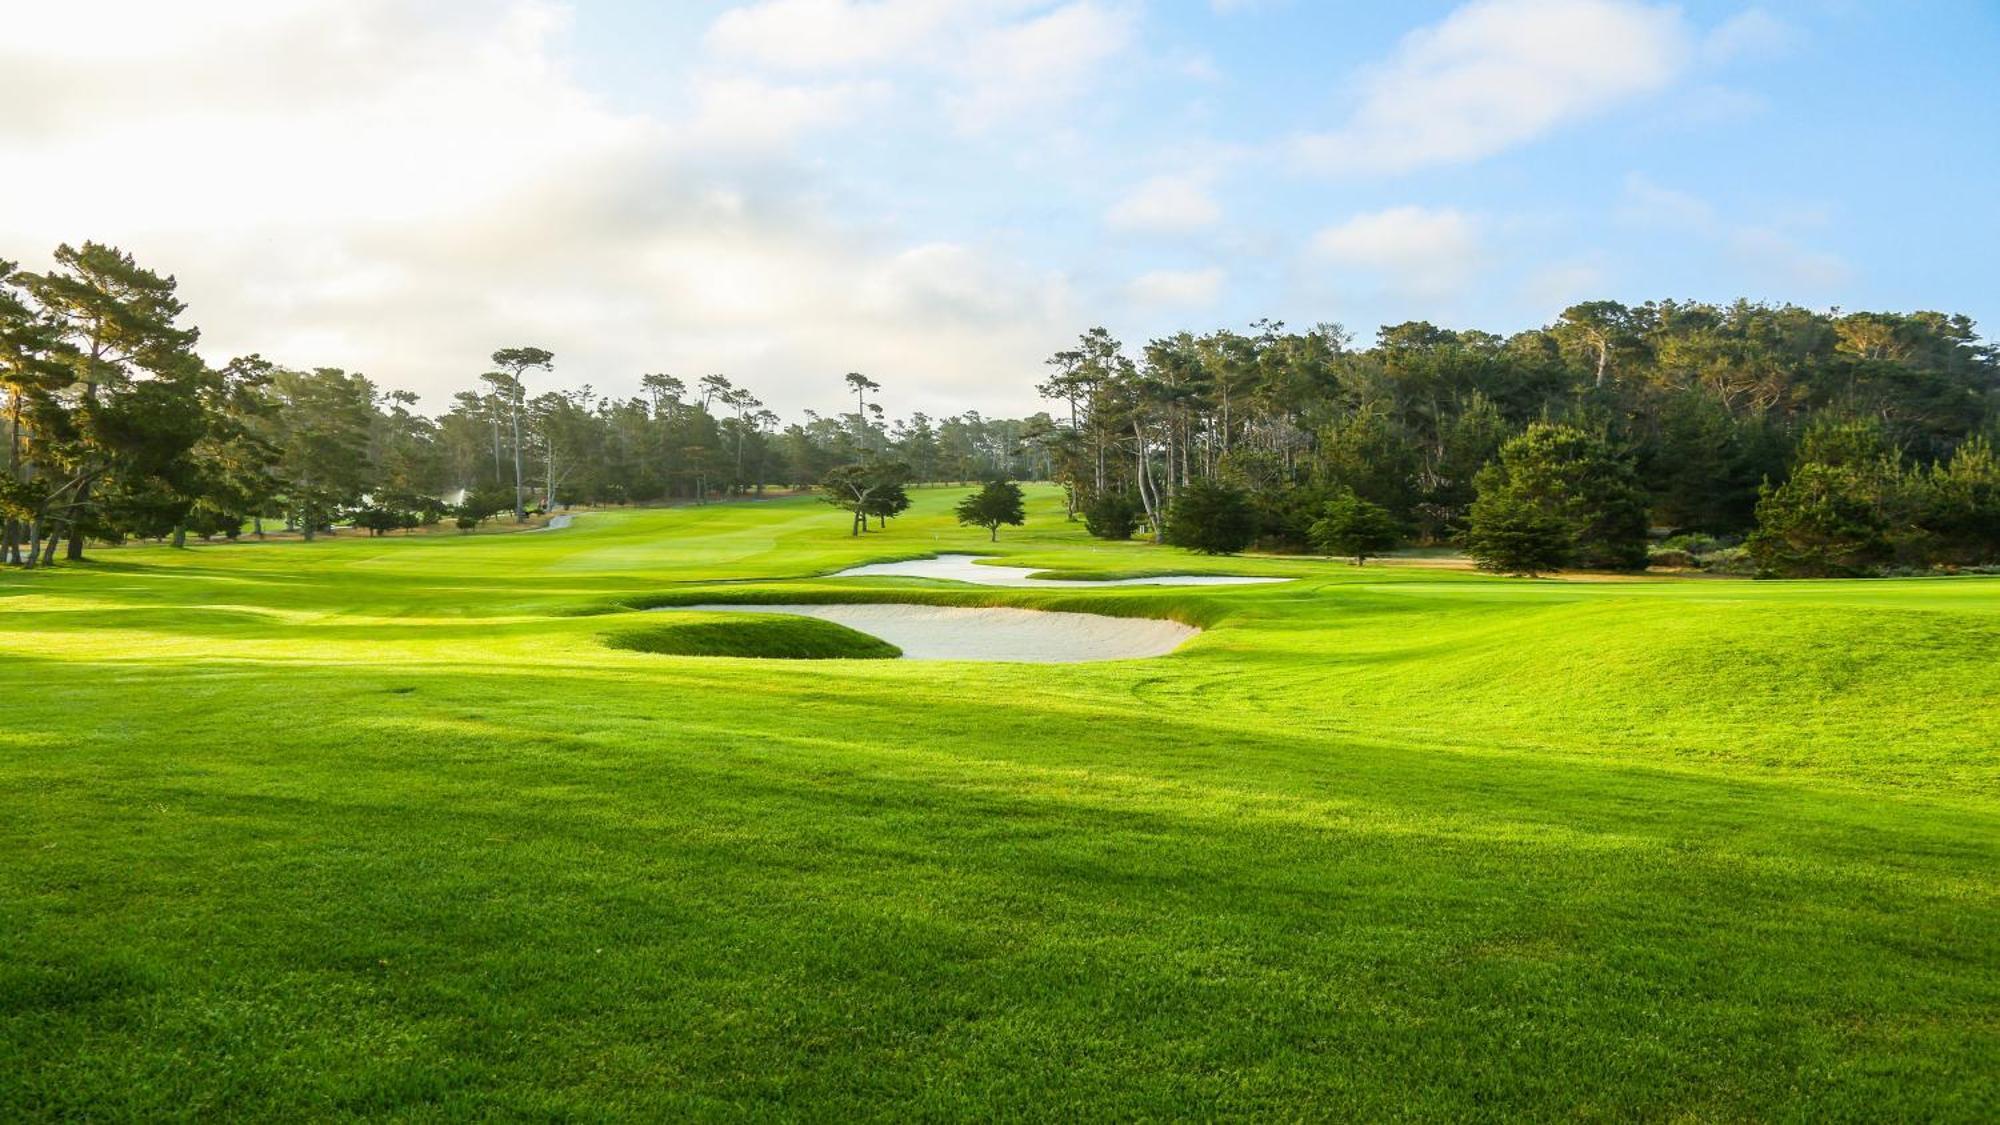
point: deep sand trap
(966, 568)
(1024, 636)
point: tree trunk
(520, 510)
(75, 551)
(180, 535)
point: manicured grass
(386, 827)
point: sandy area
(994, 635)
(967, 568)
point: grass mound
(763, 637)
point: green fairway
(438, 827)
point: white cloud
(1177, 289)
(993, 59)
(1047, 60)
(819, 35)
(401, 188)
(1411, 251)
(741, 113)
(1498, 73)
(1166, 205)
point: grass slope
(384, 827)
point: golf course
(492, 826)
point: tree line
(116, 428)
(1749, 437)
(1745, 437)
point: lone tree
(999, 502)
(860, 488)
(1353, 526)
(513, 363)
(1514, 535)
(1212, 518)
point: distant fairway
(377, 826)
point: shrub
(1113, 516)
(1212, 518)
(1730, 560)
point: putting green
(385, 827)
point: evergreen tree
(998, 503)
(1825, 521)
(1112, 516)
(1212, 518)
(1576, 478)
(1354, 527)
(857, 488)
(1513, 534)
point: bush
(1670, 558)
(1730, 560)
(1113, 516)
(378, 520)
(1211, 518)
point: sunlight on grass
(358, 827)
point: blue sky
(941, 192)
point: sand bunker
(966, 568)
(1023, 636)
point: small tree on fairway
(886, 501)
(1513, 535)
(861, 488)
(1113, 516)
(999, 502)
(1353, 526)
(1212, 518)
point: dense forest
(1823, 443)
(1752, 437)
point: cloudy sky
(942, 192)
